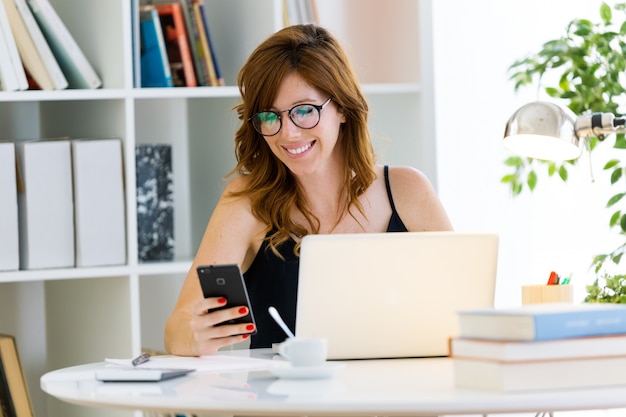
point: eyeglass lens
(305, 116)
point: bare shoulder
(233, 232)
(406, 176)
(416, 200)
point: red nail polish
(221, 300)
(250, 327)
(245, 336)
(243, 310)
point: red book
(177, 44)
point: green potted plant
(588, 66)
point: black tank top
(272, 281)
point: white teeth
(299, 150)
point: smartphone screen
(226, 281)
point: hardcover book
(540, 375)
(155, 203)
(216, 66)
(76, 68)
(515, 351)
(177, 44)
(193, 35)
(12, 75)
(155, 66)
(544, 321)
(205, 47)
(33, 48)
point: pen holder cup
(537, 294)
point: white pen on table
(143, 358)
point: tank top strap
(389, 196)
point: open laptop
(389, 295)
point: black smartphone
(226, 281)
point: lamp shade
(543, 130)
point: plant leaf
(616, 175)
(610, 164)
(615, 199)
(531, 180)
(605, 13)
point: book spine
(8, 77)
(174, 10)
(216, 68)
(579, 324)
(48, 58)
(204, 42)
(155, 68)
(193, 36)
(72, 60)
(27, 50)
(10, 61)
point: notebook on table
(390, 295)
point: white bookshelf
(63, 317)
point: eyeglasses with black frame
(305, 116)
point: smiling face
(305, 151)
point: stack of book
(176, 49)
(541, 346)
(38, 51)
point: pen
(143, 358)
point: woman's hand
(205, 322)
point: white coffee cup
(304, 352)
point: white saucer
(307, 372)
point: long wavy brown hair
(316, 55)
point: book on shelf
(539, 375)
(33, 48)
(177, 44)
(193, 38)
(14, 395)
(521, 351)
(45, 205)
(9, 232)
(99, 202)
(205, 47)
(193, 35)
(155, 66)
(207, 32)
(12, 75)
(73, 62)
(543, 321)
(155, 203)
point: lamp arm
(599, 125)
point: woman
(305, 165)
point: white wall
(559, 226)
